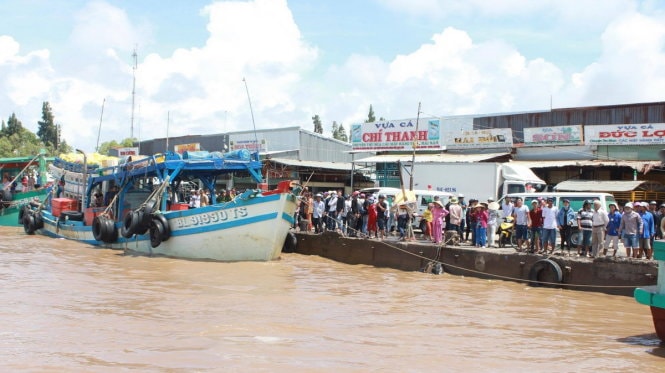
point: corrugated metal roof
(598, 185)
(642, 166)
(344, 166)
(431, 158)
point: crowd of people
(537, 223)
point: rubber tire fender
(156, 233)
(141, 228)
(545, 265)
(165, 225)
(110, 232)
(98, 230)
(21, 213)
(129, 225)
(39, 220)
(146, 216)
(29, 224)
(290, 243)
(72, 215)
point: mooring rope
(441, 246)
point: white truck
(479, 180)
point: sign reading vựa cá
(625, 134)
(489, 138)
(397, 135)
(560, 135)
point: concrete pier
(609, 275)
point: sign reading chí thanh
(625, 134)
(489, 138)
(560, 135)
(397, 134)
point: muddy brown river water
(65, 306)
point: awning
(641, 166)
(342, 166)
(431, 158)
(599, 185)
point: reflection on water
(69, 307)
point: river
(68, 307)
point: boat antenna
(252, 112)
(168, 121)
(134, 55)
(415, 146)
(99, 130)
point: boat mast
(99, 130)
(415, 146)
(131, 133)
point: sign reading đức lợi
(489, 138)
(397, 135)
(560, 135)
(625, 134)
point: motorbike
(506, 230)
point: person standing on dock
(599, 220)
(455, 214)
(480, 216)
(438, 214)
(585, 225)
(565, 218)
(492, 221)
(648, 231)
(612, 231)
(319, 208)
(630, 229)
(382, 216)
(536, 215)
(522, 222)
(549, 213)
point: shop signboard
(625, 134)
(474, 139)
(548, 136)
(397, 135)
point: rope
(441, 245)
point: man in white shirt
(507, 207)
(549, 225)
(599, 223)
(317, 213)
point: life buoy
(156, 232)
(129, 225)
(545, 270)
(39, 220)
(165, 224)
(290, 243)
(29, 224)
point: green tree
(370, 116)
(334, 130)
(105, 147)
(341, 133)
(47, 131)
(318, 126)
(14, 126)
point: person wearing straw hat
(438, 214)
(455, 214)
(480, 216)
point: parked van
(576, 201)
(576, 198)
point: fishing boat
(13, 196)
(654, 296)
(137, 206)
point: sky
(201, 63)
